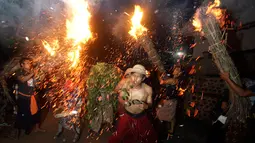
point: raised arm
(236, 88)
(25, 78)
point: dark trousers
(217, 133)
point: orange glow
(137, 28)
(181, 91)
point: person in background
(244, 93)
(218, 130)
(72, 109)
(28, 113)
(173, 97)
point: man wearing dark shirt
(28, 114)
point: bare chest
(138, 94)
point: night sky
(160, 18)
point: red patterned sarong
(134, 129)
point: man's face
(137, 78)
(27, 65)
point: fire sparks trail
(137, 28)
(66, 76)
(50, 49)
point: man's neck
(26, 70)
(138, 86)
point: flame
(218, 13)
(137, 29)
(78, 28)
(49, 48)
(196, 22)
(212, 9)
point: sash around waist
(136, 115)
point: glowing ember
(78, 28)
(181, 91)
(137, 29)
(49, 48)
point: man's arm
(25, 78)
(119, 86)
(149, 97)
(236, 88)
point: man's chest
(138, 94)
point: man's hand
(225, 76)
(143, 106)
(35, 71)
(162, 81)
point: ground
(50, 124)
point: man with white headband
(134, 125)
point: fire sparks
(49, 48)
(137, 28)
(74, 56)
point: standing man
(134, 126)
(172, 102)
(28, 111)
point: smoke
(243, 10)
(25, 14)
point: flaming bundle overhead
(139, 33)
(210, 21)
(64, 60)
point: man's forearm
(27, 77)
(236, 88)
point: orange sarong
(33, 103)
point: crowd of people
(135, 99)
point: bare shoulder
(148, 88)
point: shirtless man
(134, 126)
